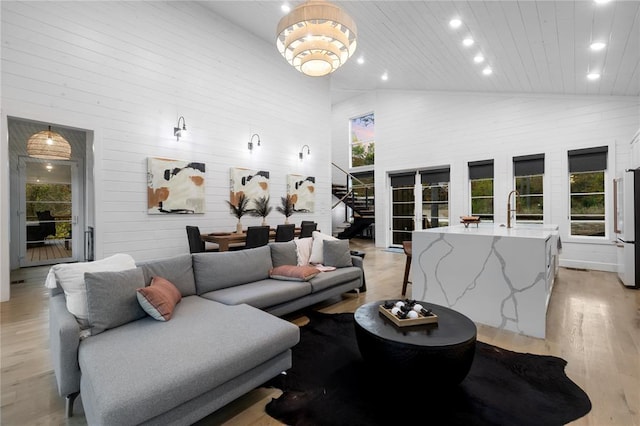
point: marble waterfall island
(498, 276)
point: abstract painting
(302, 192)
(174, 186)
(252, 183)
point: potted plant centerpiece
(239, 209)
(261, 208)
(286, 208)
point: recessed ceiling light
(593, 76)
(361, 60)
(385, 77)
(602, 1)
(597, 45)
(455, 23)
(467, 41)
(478, 58)
(285, 8)
(487, 71)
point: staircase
(358, 196)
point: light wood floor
(50, 250)
(593, 323)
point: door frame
(418, 214)
(86, 148)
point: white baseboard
(581, 264)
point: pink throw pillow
(293, 272)
(159, 298)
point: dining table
(226, 239)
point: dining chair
(196, 245)
(407, 247)
(285, 232)
(257, 236)
(307, 228)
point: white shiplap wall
(417, 130)
(127, 71)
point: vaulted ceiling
(539, 47)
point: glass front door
(48, 216)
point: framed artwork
(174, 186)
(252, 183)
(302, 192)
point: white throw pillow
(316, 250)
(303, 250)
(70, 276)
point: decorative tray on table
(466, 220)
(407, 312)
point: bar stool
(406, 246)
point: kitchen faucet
(509, 209)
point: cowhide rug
(329, 384)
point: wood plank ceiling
(539, 47)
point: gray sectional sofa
(224, 338)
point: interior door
(48, 215)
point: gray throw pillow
(336, 253)
(111, 298)
(178, 270)
(215, 271)
(283, 253)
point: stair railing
(368, 188)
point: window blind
(528, 165)
(435, 176)
(403, 179)
(588, 160)
(481, 169)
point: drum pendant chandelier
(316, 38)
(48, 145)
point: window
(587, 192)
(481, 189)
(362, 140)
(529, 172)
(435, 197)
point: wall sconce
(250, 145)
(179, 132)
(302, 150)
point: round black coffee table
(432, 354)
